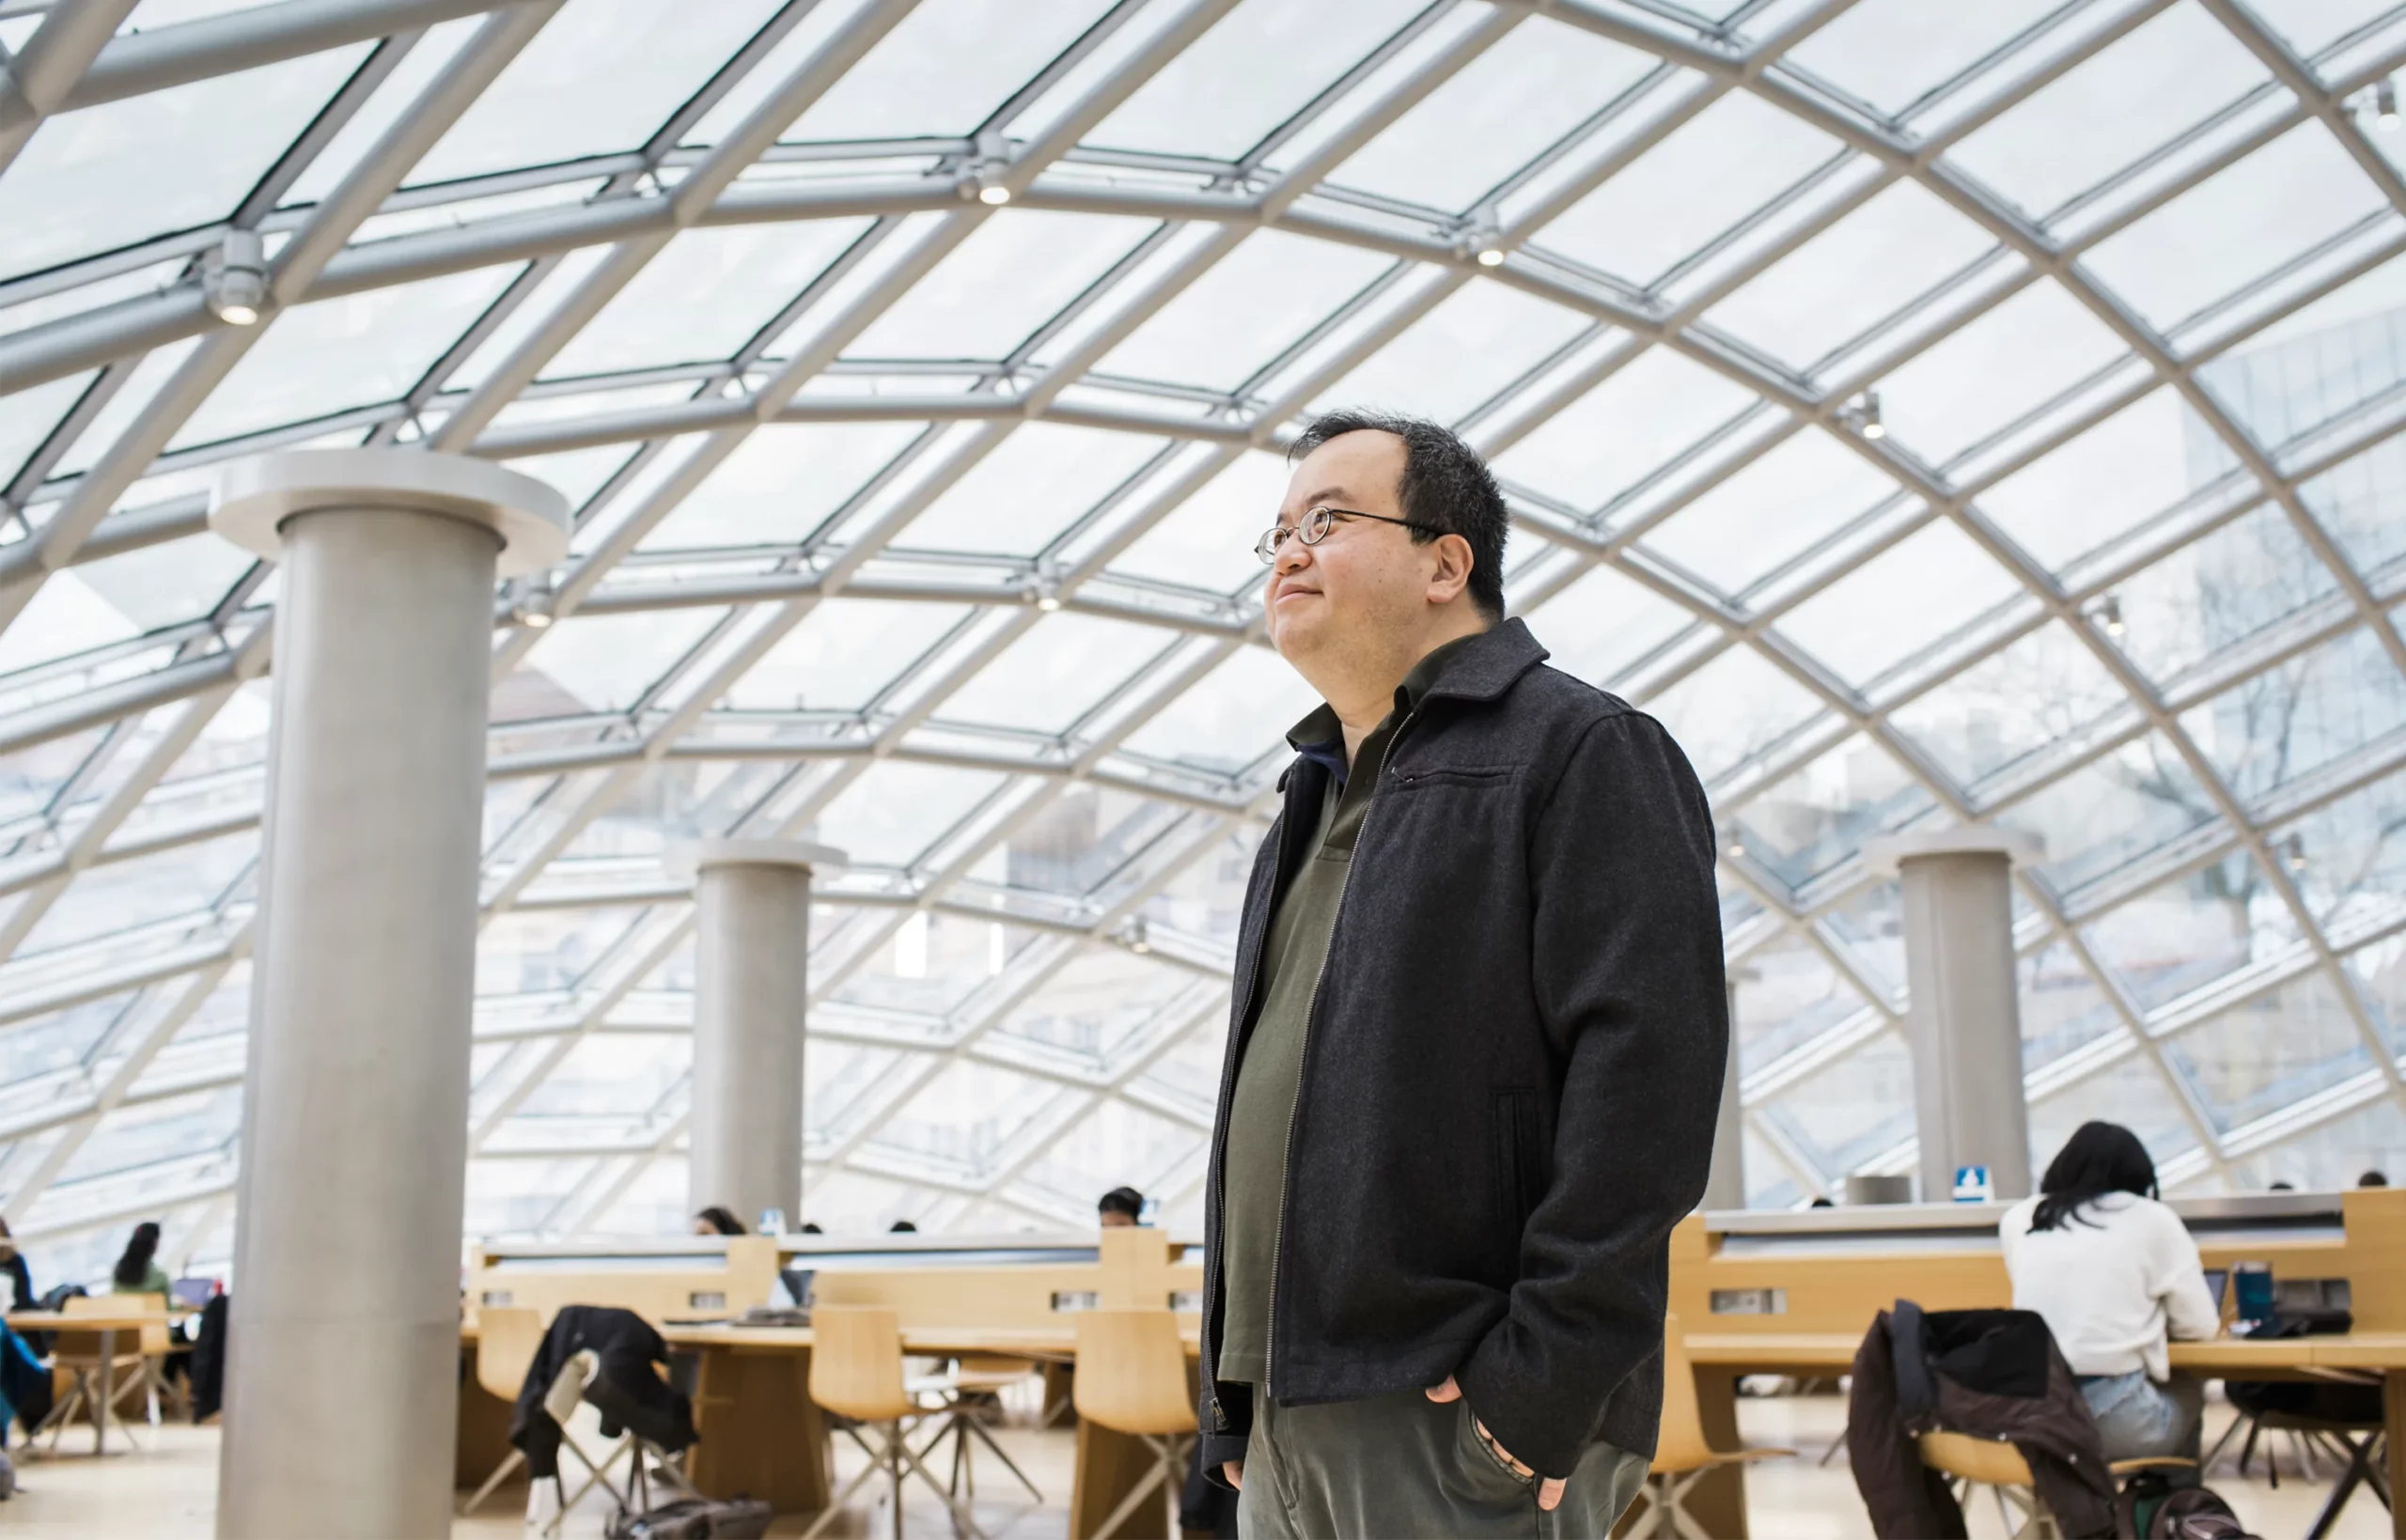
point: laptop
(798, 1285)
(192, 1293)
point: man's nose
(1292, 555)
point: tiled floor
(167, 1491)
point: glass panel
(2359, 503)
(1207, 541)
(1807, 304)
(542, 950)
(1246, 310)
(2040, 691)
(2062, 1006)
(704, 296)
(606, 662)
(2377, 974)
(604, 75)
(1712, 171)
(845, 654)
(1494, 116)
(1778, 505)
(2289, 721)
(945, 67)
(109, 176)
(125, 895)
(781, 484)
(2281, 1047)
(60, 1041)
(2010, 360)
(1107, 1146)
(964, 1118)
(318, 359)
(1054, 675)
(1894, 608)
(1821, 816)
(935, 963)
(1649, 412)
(2138, 798)
(2143, 461)
(177, 1129)
(2349, 859)
(1232, 717)
(168, 584)
(1258, 66)
(1603, 623)
(1094, 1006)
(1016, 500)
(2186, 933)
(2205, 599)
(2275, 205)
(2131, 1093)
(2135, 95)
(1889, 53)
(1013, 274)
(2313, 367)
(895, 811)
(611, 1073)
(28, 417)
(2331, 1155)
(1470, 346)
(1731, 709)
(1868, 928)
(1855, 1111)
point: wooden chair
(1681, 1455)
(94, 1372)
(1131, 1379)
(856, 1373)
(1998, 1465)
(974, 1382)
(507, 1342)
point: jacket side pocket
(1513, 1115)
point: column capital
(253, 497)
(689, 858)
(1887, 855)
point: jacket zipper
(1219, 1185)
(1311, 1011)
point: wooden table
(105, 1326)
(2356, 1356)
(762, 1436)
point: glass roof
(1932, 412)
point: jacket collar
(1478, 667)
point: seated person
(2114, 1271)
(138, 1269)
(718, 1220)
(1120, 1208)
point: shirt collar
(1320, 736)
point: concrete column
(341, 1383)
(1725, 1186)
(1966, 1016)
(752, 987)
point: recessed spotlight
(2384, 104)
(994, 196)
(1489, 256)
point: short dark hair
(722, 1220)
(1444, 487)
(1123, 1200)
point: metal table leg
(108, 1391)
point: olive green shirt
(1270, 1077)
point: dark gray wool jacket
(1510, 1072)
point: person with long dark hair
(138, 1269)
(717, 1220)
(2114, 1273)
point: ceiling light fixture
(1868, 414)
(1489, 256)
(2109, 616)
(2384, 104)
(533, 608)
(233, 278)
(2293, 852)
(1044, 591)
(1139, 937)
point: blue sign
(1971, 1185)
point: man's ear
(1452, 572)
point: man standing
(1477, 1041)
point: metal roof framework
(1933, 417)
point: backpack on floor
(2148, 1509)
(694, 1518)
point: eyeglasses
(1313, 527)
